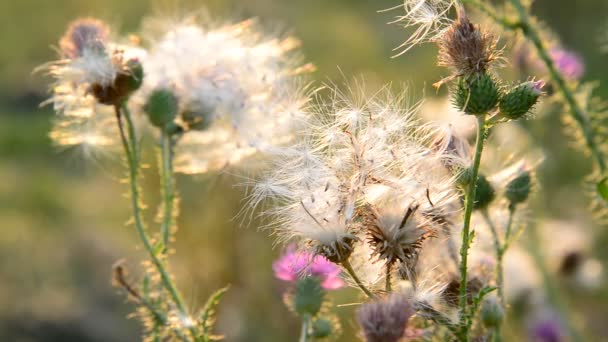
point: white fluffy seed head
(357, 152)
(88, 59)
(428, 18)
(243, 83)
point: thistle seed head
(466, 48)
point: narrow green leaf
(602, 188)
(207, 317)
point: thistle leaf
(207, 318)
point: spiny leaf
(602, 188)
(207, 318)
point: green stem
(347, 266)
(305, 327)
(132, 153)
(168, 187)
(466, 230)
(575, 109)
(489, 11)
(499, 250)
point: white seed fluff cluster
(88, 59)
(362, 171)
(240, 83)
(428, 18)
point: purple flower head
(294, 265)
(568, 63)
(547, 329)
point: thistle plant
(419, 213)
(238, 97)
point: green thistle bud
(518, 189)
(162, 107)
(521, 99)
(135, 75)
(484, 194)
(308, 296)
(491, 313)
(322, 328)
(476, 95)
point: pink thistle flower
(568, 63)
(294, 265)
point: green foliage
(207, 317)
(484, 193)
(161, 107)
(476, 95)
(519, 100)
(518, 189)
(308, 297)
(602, 188)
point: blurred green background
(63, 218)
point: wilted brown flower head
(81, 34)
(385, 320)
(395, 233)
(467, 48)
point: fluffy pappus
(93, 72)
(358, 157)
(239, 90)
(429, 18)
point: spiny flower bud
(322, 328)
(521, 99)
(518, 189)
(162, 107)
(491, 312)
(308, 296)
(385, 320)
(86, 33)
(484, 193)
(467, 49)
(135, 75)
(476, 95)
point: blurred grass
(63, 218)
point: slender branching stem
(466, 230)
(306, 320)
(575, 109)
(168, 187)
(130, 144)
(499, 250)
(348, 267)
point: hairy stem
(466, 230)
(347, 266)
(499, 250)
(574, 108)
(576, 111)
(130, 145)
(168, 187)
